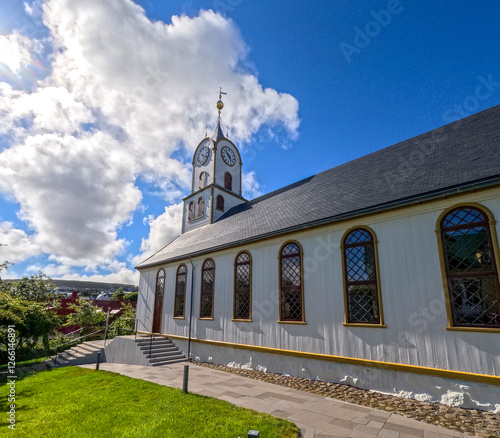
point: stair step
(164, 358)
(157, 347)
(163, 355)
(161, 349)
(155, 341)
(168, 362)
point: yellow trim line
(437, 372)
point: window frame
(200, 201)
(183, 316)
(159, 286)
(377, 282)
(217, 202)
(249, 290)
(193, 217)
(207, 318)
(202, 180)
(230, 181)
(280, 277)
(491, 224)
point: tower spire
(218, 130)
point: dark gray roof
(450, 158)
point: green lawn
(25, 363)
(75, 402)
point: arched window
(362, 295)
(228, 181)
(207, 289)
(203, 180)
(158, 306)
(180, 291)
(201, 207)
(220, 202)
(242, 287)
(291, 299)
(471, 272)
(191, 211)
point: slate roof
(451, 158)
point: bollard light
(185, 380)
(253, 434)
(98, 360)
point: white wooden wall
(411, 285)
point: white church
(382, 273)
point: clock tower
(216, 179)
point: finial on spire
(220, 105)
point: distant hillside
(80, 285)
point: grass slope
(76, 402)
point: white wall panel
(411, 287)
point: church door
(158, 308)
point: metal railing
(73, 341)
(147, 331)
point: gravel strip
(478, 423)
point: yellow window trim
(442, 262)
(352, 324)
(377, 273)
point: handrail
(74, 340)
(147, 331)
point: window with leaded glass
(242, 287)
(362, 295)
(472, 277)
(291, 305)
(207, 289)
(180, 291)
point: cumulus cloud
(126, 99)
(18, 244)
(163, 229)
(250, 185)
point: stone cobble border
(479, 423)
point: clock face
(203, 155)
(228, 156)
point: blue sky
(102, 105)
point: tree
(34, 288)
(131, 296)
(118, 294)
(86, 315)
(5, 265)
(31, 320)
(125, 323)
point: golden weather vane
(220, 105)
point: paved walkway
(316, 416)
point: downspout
(190, 308)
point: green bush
(131, 296)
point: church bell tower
(216, 179)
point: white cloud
(123, 95)
(15, 51)
(162, 230)
(250, 185)
(18, 245)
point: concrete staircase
(163, 350)
(81, 354)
